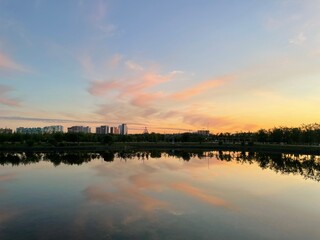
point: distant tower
(145, 131)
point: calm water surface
(208, 195)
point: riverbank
(278, 148)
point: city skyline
(172, 66)
(121, 129)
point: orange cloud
(205, 120)
(201, 87)
(192, 116)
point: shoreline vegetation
(300, 140)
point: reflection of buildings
(5, 131)
(79, 129)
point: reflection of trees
(74, 158)
(16, 159)
(129, 155)
(56, 158)
(107, 156)
(185, 155)
(155, 154)
(12, 158)
(307, 166)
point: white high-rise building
(53, 129)
(79, 129)
(123, 129)
(102, 130)
(35, 130)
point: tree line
(305, 134)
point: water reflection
(158, 195)
(307, 166)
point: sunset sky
(175, 65)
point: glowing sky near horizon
(223, 65)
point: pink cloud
(6, 100)
(10, 102)
(7, 63)
(147, 80)
(139, 88)
(136, 87)
(100, 88)
(136, 96)
(114, 61)
(144, 99)
(132, 87)
(201, 87)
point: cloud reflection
(130, 196)
(6, 216)
(201, 195)
(7, 177)
(141, 188)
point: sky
(170, 66)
